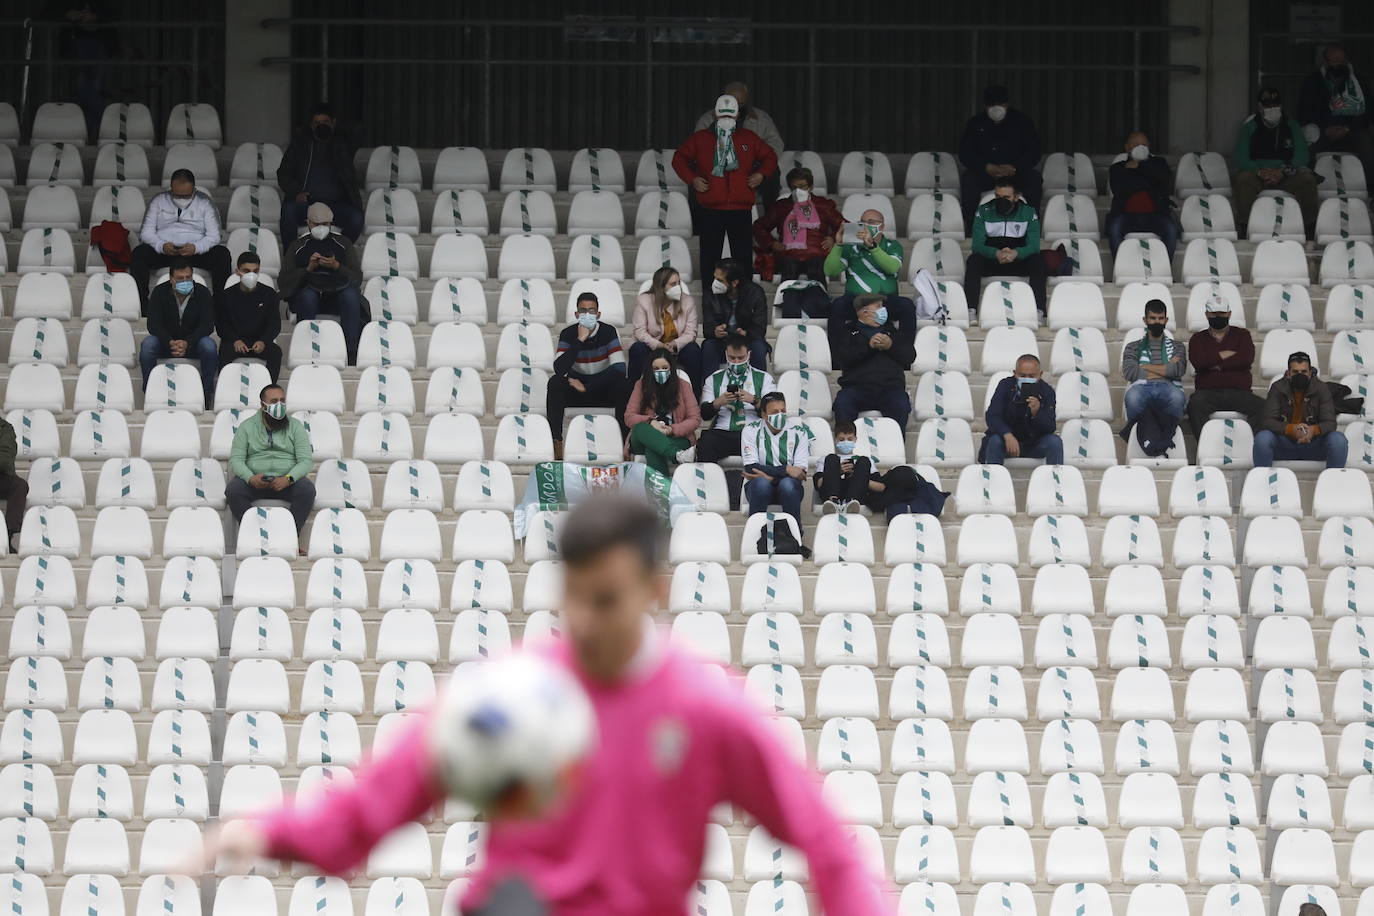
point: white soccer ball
(517, 721)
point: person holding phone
(1020, 418)
(871, 263)
(729, 402)
(662, 415)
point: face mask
(737, 369)
(320, 232)
(1005, 206)
(997, 113)
(718, 287)
(777, 420)
(587, 320)
(323, 131)
(1339, 72)
(1024, 383)
(845, 446)
(1271, 116)
(874, 230)
(182, 202)
(801, 195)
(1299, 382)
(726, 124)
(1140, 152)
(1218, 322)
(276, 410)
(184, 287)
(1155, 330)
(661, 375)
(880, 314)
(249, 280)
(674, 292)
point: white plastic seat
(865, 172)
(593, 439)
(46, 250)
(941, 348)
(945, 442)
(1078, 349)
(1210, 259)
(392, 210)
(1346, 541)
(662, 213)
(392, 167)
(461, 167)
(1069, 172)
(1141, 260)
(936, 214)
(662, 250)
(1207, 216)
(1346, 261)
(392, 254)
(1070, 216)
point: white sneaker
(686, 456)
(828, 506)
(852, 506)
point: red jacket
(768, 228)
(695, 157)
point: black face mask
(322, 132)
(1219, 322)
(1338, 73)
(1299, 382)
(1155, 330)
(1005, 206)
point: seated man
(998, 142)
(1153, 367)
(873, 264)
(180, 224)
(1006, 242)
(270, 459)
(588, 370)
(248, 318)
(1021, 419)
(181, 318)
(1141, 184)
(798, 231)
(1300, 419)
(317, 167)
(1271, 154)
(729, 400)
(1334, 111)
(1221, 358)
(321, 273)
(873, 351)
(776, 454)
(13, 488)
(734, 308)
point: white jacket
(197, 224)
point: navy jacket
(1014, 141)
(1008, 412)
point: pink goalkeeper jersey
(675, 740)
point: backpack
(784, 542)
(1154, 430)
(111, 239)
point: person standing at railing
(317, 167)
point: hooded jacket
(695, 157)
(303, 154)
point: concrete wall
(1205, 109)
(257, 98)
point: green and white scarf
(726, 160)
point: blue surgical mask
(1025, 383)
(777, 420)
(845, 446)
(880, 314)
(661, 375)
(587, 320)
(184, 287)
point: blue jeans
(1164, 396)
(893, 403)
(347, 303)
(1160, 224)
(1329, 447)
(1049, 447)
(204, 350)
(762, 492)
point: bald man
(871, 265)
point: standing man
(1141, 183)
(1021, 419)
(998, 142)
(761, 123)
(181, 223)
(248, 318)
(724, 164)
(181, 318)
(317, 167)
(13, 488)
(1300, 419)
(270, 459)
(588, 370)
(1222, 356)
(675, 740)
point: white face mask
(726, 124)
(1140, 152)
(1271, 116)
(801, 195)
(182, 202)
(249, 280)
(320, 232)
(674, 292)
(718, 287)
(997, 113)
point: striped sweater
(596, 354)
(733, 417)
(761, 446)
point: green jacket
(1289, 141)
(992, 231)
(287, 453)
(867, 270)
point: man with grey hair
(761, 123)
(1020, 417)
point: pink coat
(675, 740)
(649, 327)
(688, 410)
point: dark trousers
(15, 490)
(1205, 401)
(832, 483)
(271, 355)
(145, 260)
(347, 217)
(716, 444)
(240, 494)
(976, 183)
(688, 359)
(713, 355)
(1160, 224)
(977, 267)
(605, 389)
(152, 349)
(347, 303)
(893, 403)
(794, 268)
(712, 228)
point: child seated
(849, 483)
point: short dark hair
(769, 398)
(588, 296)
(177, 264)
(182, 175)
(846, 428)
(863, 300)
(1311, 909)
(266, 388)
(248, 256)
(320, 108)
(1005, 181)
(604, 522)
(1298, 356)
(736, 343)
(735, 270)
(800, 173)
(1156, 307)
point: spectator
(1006, 242)
(1271, 154)
(734, 308)
(999, 142)
(321, 273)
(180, 224)
(270, 459)
(663, 415)
(1153, 366)
(181, 318)
(798, 231)
(87, 41)
(317, 167)
(1221, 357)
(761, 123)
(1141, 184)
(1333, 110)
(666, 317)
(13, 488)
(588, 370)
(873, 350)
(841, 479)
(1311, 909)
(1020, 417)
(724, 164)
(776, 454)
(729, 402)
(1300, 419)
(248, 318)
(872, 265)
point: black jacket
(861, 365)
(1314, 104)
(293, 272)
(750, 310)
(299, 159)
(165, 324)
(249, 317)
(1014, 141)
(1151, 176)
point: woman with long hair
(663, 415)
(666, 317)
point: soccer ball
(520, 722)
